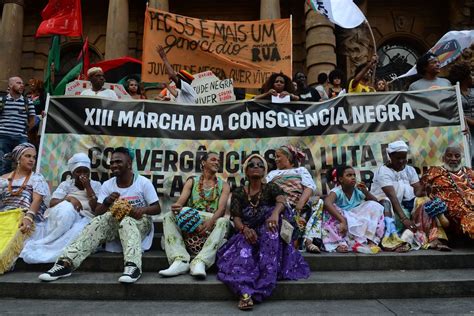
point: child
(353, 222)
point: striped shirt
(13, 118)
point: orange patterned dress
(456, 189)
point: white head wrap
(78, 160)
(93, 71)
(265, 165)
(397, 146)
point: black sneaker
(131, 273)
(59, 270)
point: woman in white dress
(71, 209)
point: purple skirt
(255, 269)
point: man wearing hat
(185, 93)
(97, 79)
(396, 185)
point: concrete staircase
(386, 275)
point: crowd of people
(270, 220)
(254, 233)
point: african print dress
(456, 189)
(255, 269)
(293, 182)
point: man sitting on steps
(139, 192)
(203, 198)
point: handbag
(286, 231)
(194, 242)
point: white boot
(178, 267)
(198, 270)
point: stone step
(321, 285)
(155, 260)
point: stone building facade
(403, 30)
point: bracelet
(33, 214)
(28, 218)
(93, 196)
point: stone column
(162, 5)
(354, 46)
(269, 9)
(460, 16)
(320, 45)
(116, 43)
(11, 40)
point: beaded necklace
(22, 187)
(202, 194)
(254, 205)
(455, 185)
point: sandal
(438, 245)
(245, 303)
(402, 248)
(443, 248)
(312, 248)
(342, 249)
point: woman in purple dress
(252, 261)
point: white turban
(78, 160)
(93, 71)
(397, 146)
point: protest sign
(448, 48)
(211, 90)
(77, 86)
(168, 139)
(247, 52)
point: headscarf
(79, 160)
(18, 151)
(294, 153)
(265, 165)
(397, 146)
(92, 71)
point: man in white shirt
(184, 92)
(97, 79)
(139, 192)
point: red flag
(115, 69)
(62, 17)
(84, 54)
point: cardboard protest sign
(211, 90)
(247, 52)
(77, 86)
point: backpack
(4, 100)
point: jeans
(7, 143)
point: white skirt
(62, 226)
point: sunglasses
(256, 165)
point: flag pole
(375, 48)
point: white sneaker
(198, 270)
(178, 267)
